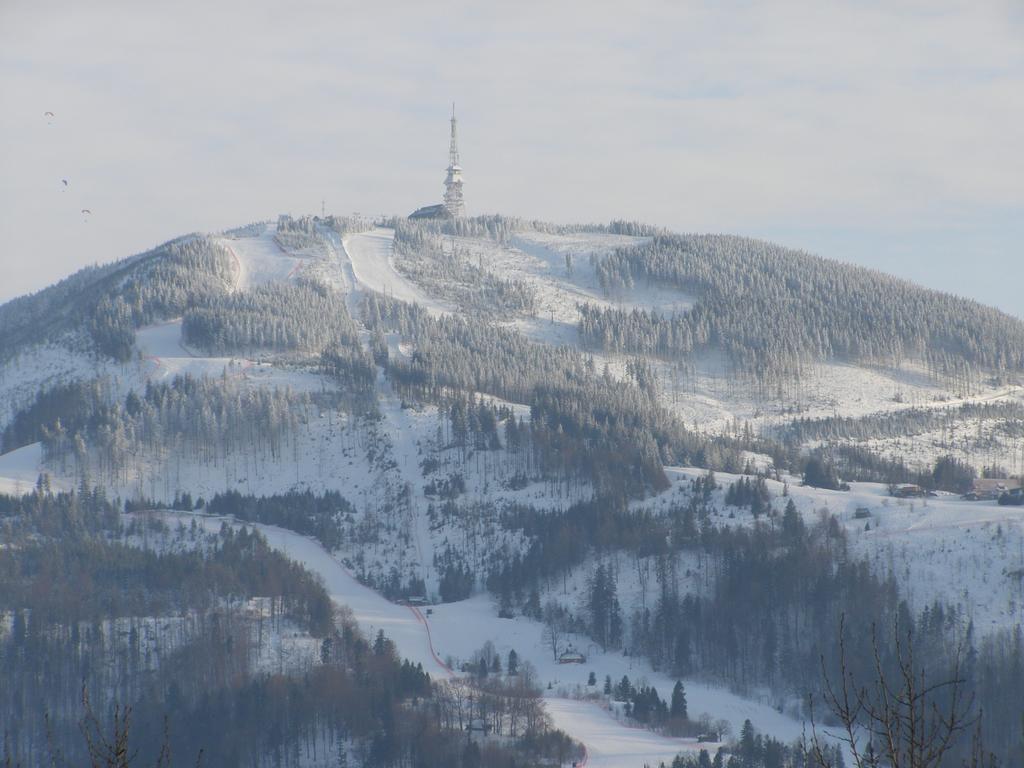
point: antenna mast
(453, 201)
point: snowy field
(542, 261)
(712, 397)
(609, 743)
(20, 469)
(166, 356)
(980, 442)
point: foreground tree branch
(902, 716)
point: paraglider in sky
(86, 213)
(64, 182)
(49, 117)
(86, 210)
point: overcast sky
(887, 134)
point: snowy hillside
(514, 414)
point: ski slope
(609, 743)
(400, 623)
(374, 269)
(260, 260)
(167, 356)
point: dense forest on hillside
(181, 275)
(304, 231)
(83, 608)
(208, 419)
(302, 316)
(586, 422)
(72, 407)
(303, 512)
(773, 310)
(111, 302)
(907, 422)
(183, 632)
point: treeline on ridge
(110, 302)
(772, 310)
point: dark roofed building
(431, 212)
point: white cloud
(800, 118)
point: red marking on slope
(238, 264)
(430, 640)
(415, 611)
(586, 757)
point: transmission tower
(453, 201)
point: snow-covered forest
(773, 310)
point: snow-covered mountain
(503, 409)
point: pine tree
(793, 528)
(748, 744)
(678, 707)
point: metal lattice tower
(453, 201)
